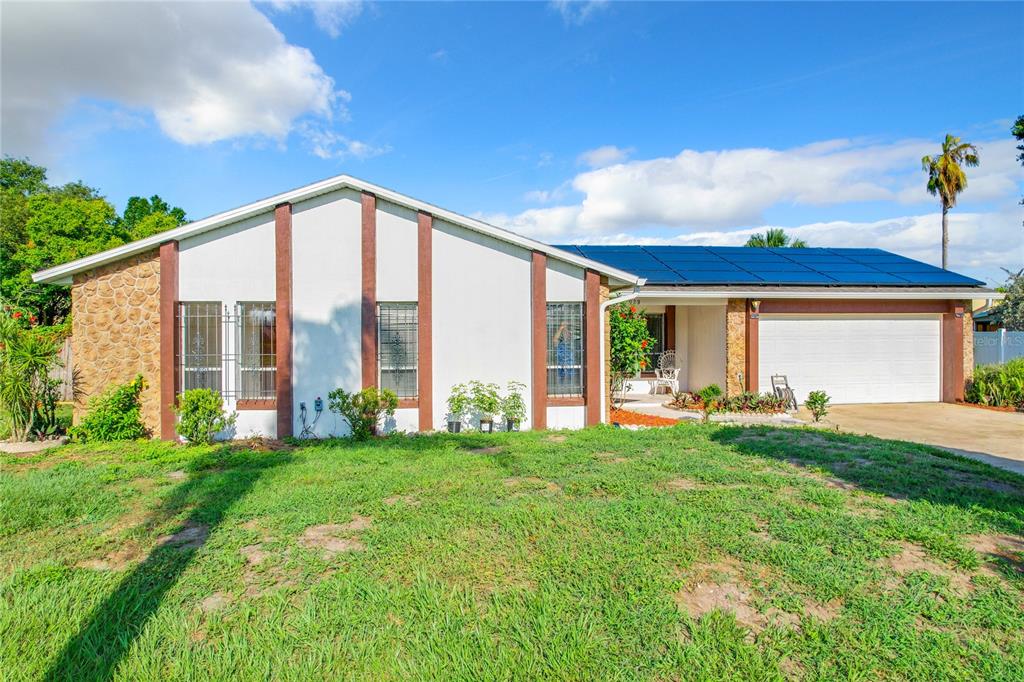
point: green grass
(600, 554)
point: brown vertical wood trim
(592, 347)
(283, 310)
(369, 310)
(538, 338)
(168, 338)
(953, 353)
(752, 368)
(670, 327)
(424, 232)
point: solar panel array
(746, 265)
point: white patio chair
(667, 374)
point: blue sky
(603, 122)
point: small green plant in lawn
(459, 403)
(513, 405)
(817, 402)
(711, 401)
(114, 415)
(998, 385)
(485, 400)
(363, 409)
(201, 416)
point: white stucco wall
(567, 417)
(564, 282)
(326, 302)
(397, 261)
(706, 346)
(481, 312)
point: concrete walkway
(996, 438)
(646, 403)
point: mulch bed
(630, 418)
(993, 408)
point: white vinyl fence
(992, 348)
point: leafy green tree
(1011, 309)
(145, 217)
(43, 225)
(630, 340)
(775, 238)
(947, 179)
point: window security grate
(565, 349)
(398, 348)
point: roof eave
(63, 274)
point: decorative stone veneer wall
(116, 316)
(968, 320)
(735, 346)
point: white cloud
(331, 16)
(577, 12)
(207, 71)
(732, 188)
(328, 144)
(603, 156)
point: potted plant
(486, 403)
(458, 405)
(513, 406)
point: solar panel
(661, 264)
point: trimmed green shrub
(364, 409)
(114, 415)
(711, 401)
(817, 402)
(201, 416)
(998, 385)
(513, 405)
(485, 399)
(459, 403)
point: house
(343, 283)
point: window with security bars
(565, 350)
(232, 351)
(257, 351)
(656, 328)
(397, 348)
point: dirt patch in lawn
(1008, 549)
(492, 450)
(555, 438)
(408, 500)
(191, 536)
(177, 475)
(683, 484)
(215, 602)
(118, 560)
(975, 481)
(723, 586)
(610, 457)
(912, 557)
(334, 538)
(533, 483)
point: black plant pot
(511, 424)
(486, 426)
(454, 427)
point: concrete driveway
(993, 437)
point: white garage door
(855, 359)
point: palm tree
(777, 238)
(946, 178)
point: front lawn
(695, 552)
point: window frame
(188, 370)
(410, 354)
(265, 398)
(578, 348)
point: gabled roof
(753, 267)
(62, 274)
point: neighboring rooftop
(731, 265)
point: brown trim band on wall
(369, 308)
(592, 347)
(424, 238)
(824, 306)
(753, 368)
(538, 338)
(283, 314)
(256, 404)
(569, 401)
(168, 338)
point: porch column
(592, 348)
(670, 328)
(283, 316)
(538, 339)
(369, 271)
(735, 346)
(752, 338)
(169, 341)
(953, 353)
(425, 335)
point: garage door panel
(854, 359)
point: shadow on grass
(113, 626)
(896, 469)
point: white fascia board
(62, 274)
(823, 293)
